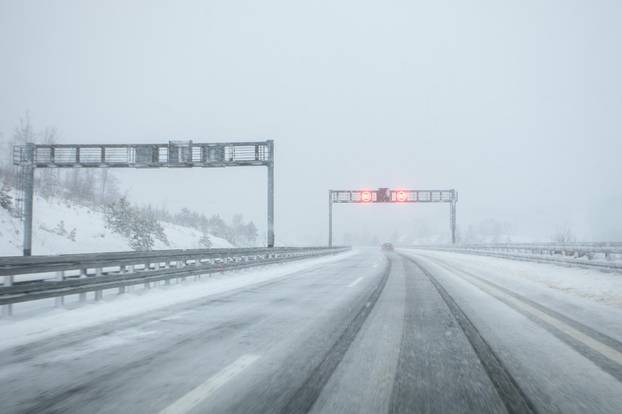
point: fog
(516, 104)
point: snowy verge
(60, 227)
(16, 332)
(613, 264)
(594, 285)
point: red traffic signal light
(366, 196)
(401, 196)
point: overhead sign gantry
(174, 154)
(395, 196)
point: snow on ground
(590, 297)
(594, 285)
(52, 216)
(21, 329)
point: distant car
(387, 247)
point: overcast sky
(515, 104)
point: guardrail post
(197, 263)
(167, 281)
(59, 301)
(82, 276)
(7, 310)
(179, 265)
(131, 269)
(147, 268)
(98, 292)
(124, 269)
(157, 266)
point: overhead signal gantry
(174, 154)
(393, 196)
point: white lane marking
(596, 345)
(203, 391)
(355, 282)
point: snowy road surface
(403, 332)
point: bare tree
(25, 132)
(563, 234)
(49, 179)
(103, 180)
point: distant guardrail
(605, 256)
(39, 277)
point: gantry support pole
(271, 195)
(29, 184)
(452, 214)
(330, 218)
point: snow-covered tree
(60, 228)
(205, 241)
(6, 201)
(139, 226)
(250, 233)
(218, 227)
(240, 233)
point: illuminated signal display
(366, 196)
(381, 195)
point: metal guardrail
(605, 256)
(61, 275)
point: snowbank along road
(363, 332)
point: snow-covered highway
(361, 332)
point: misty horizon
(516, 107)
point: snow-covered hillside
(53, 232)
